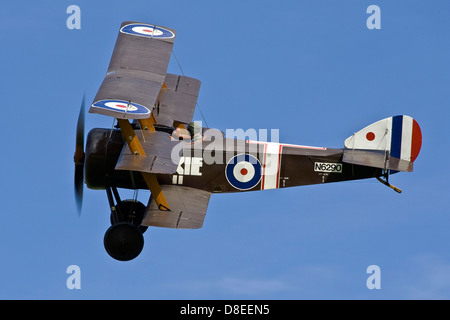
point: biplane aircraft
(156, 146)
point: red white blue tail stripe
(406, 138)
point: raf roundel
(243, 171)
(147, 30)
(121, 106)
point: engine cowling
(103, 147)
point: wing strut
(136, 148)
(147, 123)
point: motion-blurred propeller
(79, 158)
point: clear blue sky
(311, 69)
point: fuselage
(217, 164)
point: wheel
(123, 241)
(131, 211)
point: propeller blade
(79, 176)
(79, 146)
(79, 158)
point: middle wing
(158, 148)
(177, 100)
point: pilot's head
(195, 129)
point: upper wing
(136, 81)
(187, 208)
(136, 72)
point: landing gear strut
(124, 240)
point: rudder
(392, 143)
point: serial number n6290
(328, 167)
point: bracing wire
(182, 72)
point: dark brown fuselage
(211, 170)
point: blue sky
(311, 69)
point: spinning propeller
(78, 158)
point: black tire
(123, 241)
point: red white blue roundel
(121, 106)
(147, 30)
(243, 171)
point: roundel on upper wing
(121, 106)
(147, 30)
(243, 171)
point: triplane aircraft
(154, 146)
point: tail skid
(386, 183)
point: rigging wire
(182, 72)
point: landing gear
(124, 240)
(130, 211)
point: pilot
(195, 130)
